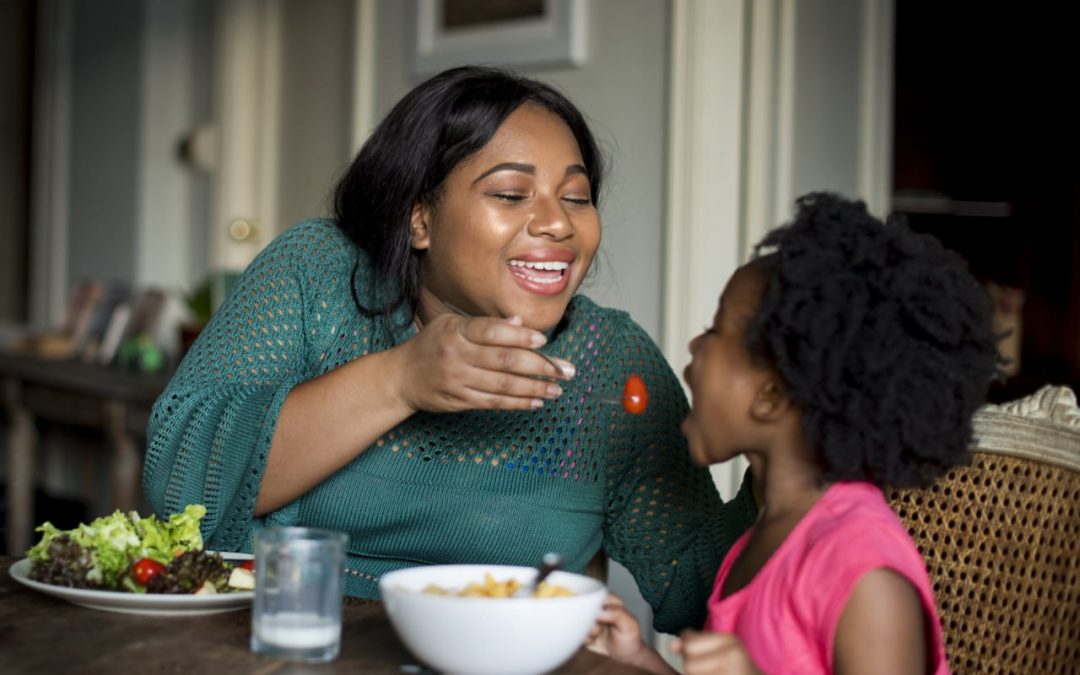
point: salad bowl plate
(146, 604)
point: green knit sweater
(479, 487)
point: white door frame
(248, 73)
(731, 145)
(363, 94)
(705, 173)
(51, 149)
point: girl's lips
(535, 279)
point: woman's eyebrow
(507, 166)
(572, 170)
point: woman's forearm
(327, 422)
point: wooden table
(42, 634)
(108, 400)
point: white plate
(147, 604)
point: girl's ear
(770, 402)
(419, 236)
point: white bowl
(489, 636)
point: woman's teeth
(543, 272)
(547, 265)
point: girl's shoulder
(853, 508)
(853, 527)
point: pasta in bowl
(463, 620)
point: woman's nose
(550, 219)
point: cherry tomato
(635, 398)
(248, 565)
(146, 569)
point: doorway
(16, 68)
(986, 158)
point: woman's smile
(545, 272)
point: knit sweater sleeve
(665, 520)
(210, 431)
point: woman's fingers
(460, 363)
(518, 361)
(512, 348)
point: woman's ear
(770, 402)
(419, 237)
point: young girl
(848, 355)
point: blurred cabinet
(96, 399)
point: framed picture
(521, 34)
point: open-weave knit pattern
(482, 486)
(1001, 539)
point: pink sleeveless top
(787, 615)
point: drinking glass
(299, 581)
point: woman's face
(514, 229)
(723, 379)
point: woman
(416, 372)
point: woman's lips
(543, 277)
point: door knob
(243, 229)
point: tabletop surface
(42, 634)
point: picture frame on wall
(521, 34)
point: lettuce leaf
(113, 543)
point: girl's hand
(471, 363)
(616, 633)
(706, 653)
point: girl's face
(722, 378)
(514, 229)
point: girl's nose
(692, 347)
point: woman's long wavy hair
(435, 127)
(881, 336)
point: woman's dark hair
(881, 336)
(436, 126)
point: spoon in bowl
(549, 563)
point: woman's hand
(706, 653)
(470, 363)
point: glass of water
(299, 581)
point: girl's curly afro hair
(881, 336)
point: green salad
(127, 552)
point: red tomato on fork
(248, 565)
(635, 397)
(146, 569)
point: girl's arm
(882, 629)
(707, 653)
